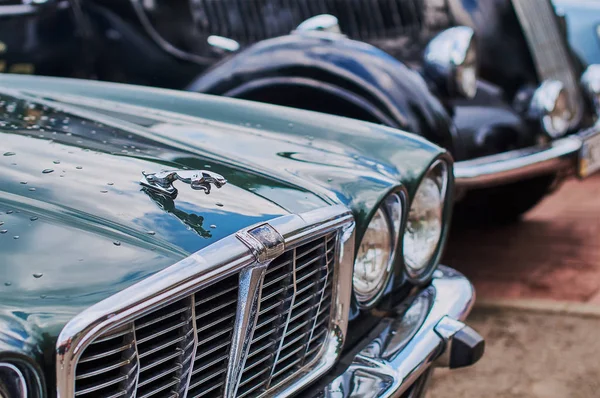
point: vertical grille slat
(184, 347)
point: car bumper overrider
(578, 153)
(426, 330)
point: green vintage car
(156, 243)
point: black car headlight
(12, 382)
(425, 222)
(450, 61)
(375, 256)
(550, 108)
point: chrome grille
(248, 21)
(165, 344)
(215, 316)
(185, 346)
(109, 366)
(549, 49)
(293, 316)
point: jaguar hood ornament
(197, 179)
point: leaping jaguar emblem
(197, 179)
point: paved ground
(528, 355)
(549, 260)
(554, 253)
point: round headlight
(425, 221)
(550, 104)
(375, 255)
(590, 81)
(12, 382)
(466, 72)
(450, 61)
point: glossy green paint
(80, 228)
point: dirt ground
(553, 253)
(528, 354)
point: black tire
(503, 204)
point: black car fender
(332, 74)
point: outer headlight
(12, 382)
(450, 61)
(426, 221)
(374, 260)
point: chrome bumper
(410, 342)
(561, 154)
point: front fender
(367, 78)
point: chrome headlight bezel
(450, 61)
(393, 208)
(440, 172)
(548, 106)
(13, 381)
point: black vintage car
(494, 82)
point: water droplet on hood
(3, 231)
(219, 204)
(103, 191)
(117, 243)
(43, 296)
(213, 226)
(79, 167)
(24, 182)
(47, 171)
(110, 183)
(16, 237)
(149, 232)
(9, 212)
(1, 223)
(56, 162)
(38, 275)
(9, 154)
(32, 189)
(7, 283)
(33, 218)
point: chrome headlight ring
(450, 61)
(12, 381)
(376, 253)
(550, 108)
(427, 222)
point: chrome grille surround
(549, 50)
(175, 296)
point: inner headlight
(425, 221)
(12, 382)
(375, 255)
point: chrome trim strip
(22, 384)
(205, 267)
(391, 370)
(251, 280)
(514, 165)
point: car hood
(78, 227)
